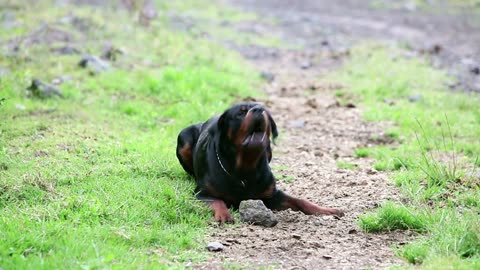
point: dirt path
(318, 132)
(449, 35)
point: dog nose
(257, 109)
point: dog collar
(225, 170)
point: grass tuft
(390, 217)
(361, 152)
(346, 165)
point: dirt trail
(318, 132)
(448, 35)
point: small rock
(94, 64)
(452, 84)
(339, 53)
(215, 246)
(148, 13)
(476, 86)
(312, 103)
(475, 70)
(319, 222)
(20, 107)
(306, 65)
(473, 175)
(66, 50)
(3, 71)
(111, 53)
(429, 47)
(415, 97)
(61, 79)
(43, 90)
(40, 153)
(352, 231)
(411, 6)
(255, 212)
(267, 76)
(232, 240)
(389, 102)
(297, 124)
(318, 245)
(472, 65)
(7, 15)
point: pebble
(297, 124)
(94, 64)
(215, 246)
(415, 97)
(267, 76)
(306, 65)
(473, 175)
(43, 90)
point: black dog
(229, 157)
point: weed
(437, 174)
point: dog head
(248, 128)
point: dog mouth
(257, 138)
(256, 130)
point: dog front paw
(223, 217)
(337, 213)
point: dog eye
(240, 114)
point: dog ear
(221, 121)
(273, 127)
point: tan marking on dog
(186, 154)
(268, 193)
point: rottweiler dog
(229, 158)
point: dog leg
(219, 208)
(221, 211)
(282, 201)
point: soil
(318, 131)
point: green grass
(91, 180)
(392, 217)
(361, 152)
(346, 165)
(437, 147)
(214, 21)
(280, 171)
